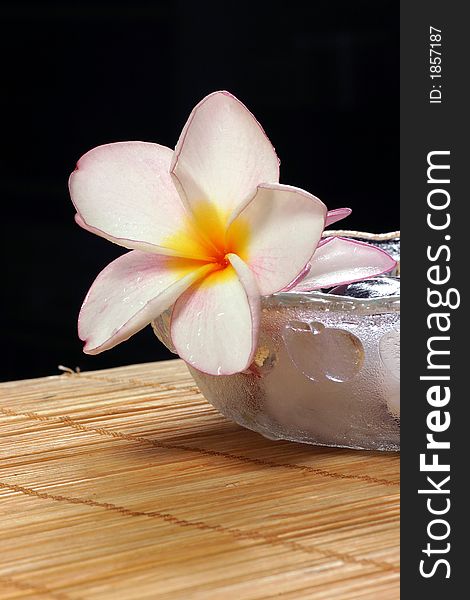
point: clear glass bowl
(326, 370)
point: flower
(210, 230)
(339, 261)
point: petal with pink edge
(222, 155)
(336, 215)
(215, 323)
(276, 234)
(341, 260)
(124, 192)
(129, 293)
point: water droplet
(316, 327)
(299, 326)
(323, 353)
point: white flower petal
(222, 155)
(215, 323)
(276, 234)
(129, 293)
(341, 260)
(124, 192)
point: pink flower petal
(215, 323)
(305, 271)
(222, 155)
(124, 192)
(340, 260)
(276, 234)
(336, 215)
(129, 293)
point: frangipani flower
(210, 230)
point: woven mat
(126, 484)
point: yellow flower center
(206, 237)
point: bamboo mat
(125, 484)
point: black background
(322, 77)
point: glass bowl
(326, 369)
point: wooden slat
(126, 484)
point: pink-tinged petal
(341, 260)
(215, 323)
(129, 293)
(222, 155)
(336, 215)
(124, 192)
(305, 271)
(276, 234)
